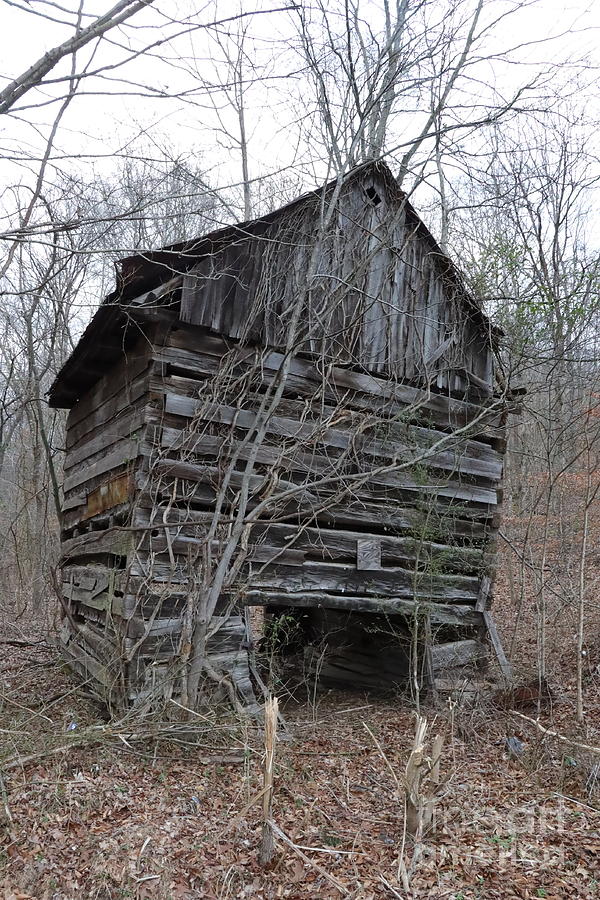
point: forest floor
(90, 810)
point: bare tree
(35, 75)
(53, 281)
(398, 80)
(528, 240)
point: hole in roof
(373, 196)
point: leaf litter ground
(90, 810)
(120, 816)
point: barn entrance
(336, 649)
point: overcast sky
(25, 36)
(96, 127)
(162, 100)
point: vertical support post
(267, 841)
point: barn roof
(141, 277)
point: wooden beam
(484, 593)
(440, 614)
(505, 665)
(454, 653)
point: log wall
(374, 490)
(145, 460)
(146, 453)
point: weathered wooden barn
(299, 413)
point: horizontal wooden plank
(115, 382)
(434, 523)
(315, 408)
(405, 427)
(337, 577)
(213, 476)
(128, 425)
(431, 525)
(197, 352)
(465, 457)
(193, 548)
(438, 613)
(158, 628)
(313, 497)
(162, 636)
(455, 653)
(74, 502)
(319, 543)
(116, 541)
(122, 454)
(74, 518)
(447, 559)
(299, 463)
(119, 406)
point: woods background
(486, 113)
(126, 128)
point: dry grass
(99, 812)
(149, 819)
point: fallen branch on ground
(589, 748)
(19, 642)
(289, 842)
(97, 734)
(3, 793)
